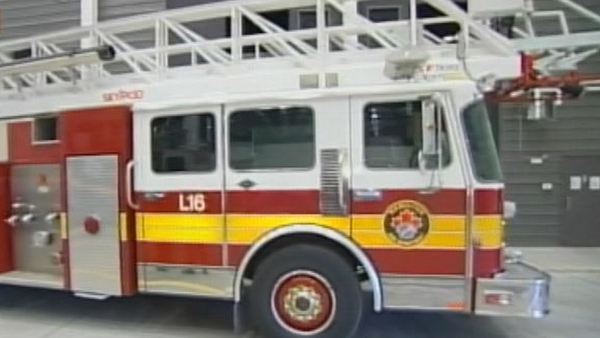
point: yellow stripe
(445, 232)
(367, 230)
(64, 233)
(123, 227)
(246, 229)
(180, 228)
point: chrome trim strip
(465, 165)
(33, 280)
(319, 231)
(201, 281)
(367, 195)
(223, 137)
(423, 293)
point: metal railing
(150, 45)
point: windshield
(481, 142)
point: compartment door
(93, 218)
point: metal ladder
(564, 49)
(172, 34)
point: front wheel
(306, 291)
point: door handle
(129, 186)
(247, 184)
(568, 203)
(154, 196)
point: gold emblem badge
(406, 222)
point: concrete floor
(35, 314)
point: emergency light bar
(58, 61)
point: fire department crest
(406, 222)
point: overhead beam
(569, 41)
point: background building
(552, 166)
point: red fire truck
(289, 171)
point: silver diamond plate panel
(36, 194)
(92, 187)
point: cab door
(179, 191)
(409, 218)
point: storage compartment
(35, 224)
(31, 206)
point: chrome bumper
(521, 290)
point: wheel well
(313, 239)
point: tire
(306, 291)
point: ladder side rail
(45, 49)
(205, 53)
(381, 38)
(190, 36)
(580, 9)
(294, 46)
(122, 55)
(27, 80)
(8, 80)
(495, 41)
(56, 50)
(126, 48)
(271, 28)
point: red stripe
(236, 254)
(433, 262)
(178, 253)
(446, 202)
(170, 202)
(274, 202)
(396, 261)
(129, 282)
(489, 202)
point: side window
(274, 138)
(45, 129)
(393, 135)
(183, 143)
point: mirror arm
(421, 162)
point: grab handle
(129, 186)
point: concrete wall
(22, 18)
(110, 9)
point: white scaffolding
(171, 34)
